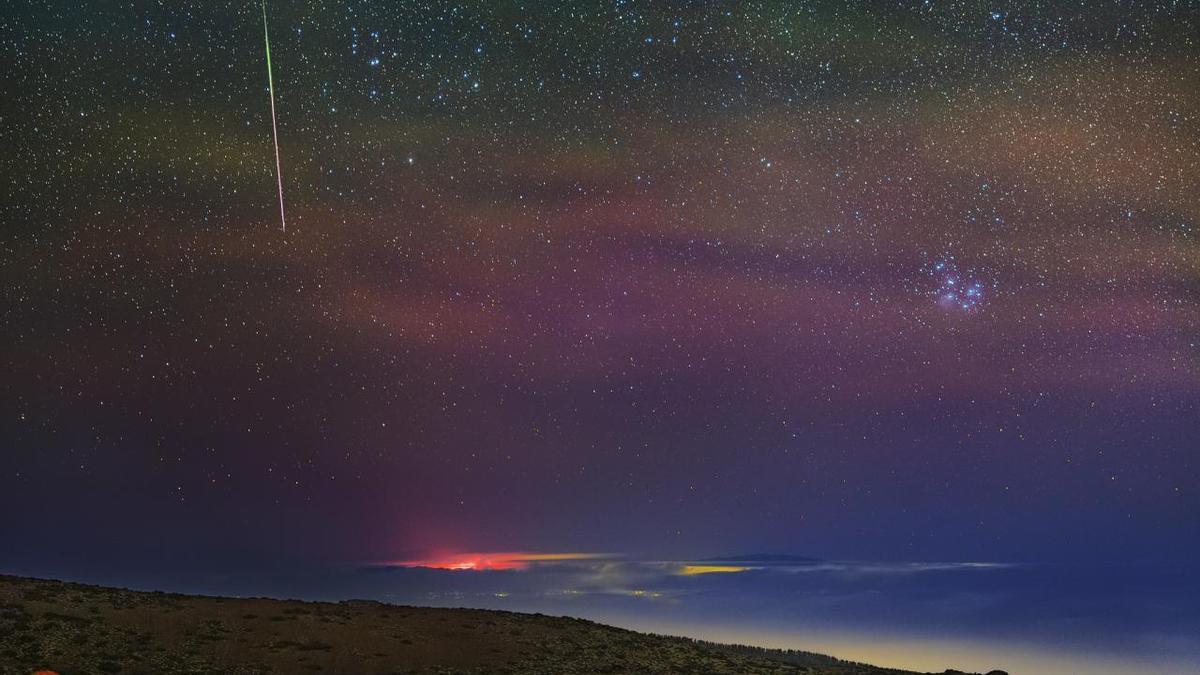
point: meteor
(274, 124)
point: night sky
(910, 281)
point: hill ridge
(75, 628)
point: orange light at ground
(495, 561)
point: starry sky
(864, 280)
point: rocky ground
(74, 629)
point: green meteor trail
(274, 123)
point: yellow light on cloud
(693, 570)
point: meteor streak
(274, 124)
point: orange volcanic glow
(495, 561)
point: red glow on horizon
(477, 562)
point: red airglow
(493, 561)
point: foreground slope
(75, 628)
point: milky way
(857, 280)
